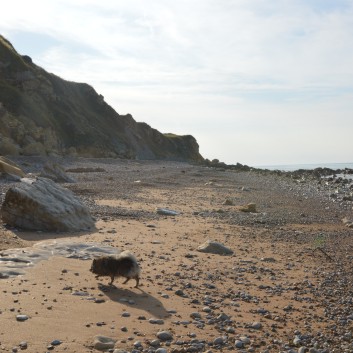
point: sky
(259, 82)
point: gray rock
(238, 344)
(164, 335)
(195, 315)
(218, 341)
(21, 317)
(230, 329)
(156, 321)
(23, 345)
(302, 350)
(56, 173)
(297, 341)
(223, 317)
(103, 343)
(245, 340)
(213, 247)
(161, 350)
(155, 343)
(40, 204)
(166, 212)
(256, 325)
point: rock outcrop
(42, 114)
(40, 204)
(8, 168)
(213, 247)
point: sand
(284, 273)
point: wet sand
(289, 278)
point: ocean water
(291, 167)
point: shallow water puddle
(13, 262)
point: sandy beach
(286, 288)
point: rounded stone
(195, 315)
(21, 317)
(256, 325)
(164, 335)
(218, 341)
(103, 343)
(238, 344)
(155, 343)
(161, 350)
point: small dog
(122, 265)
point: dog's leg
(137, 282)
(112, 277)
(127, 280)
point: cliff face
(42, 114)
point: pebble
(137, 344)
(179, 292)
(245, 340)
(56, 342)
(161, 350)
(256, 325)
(230, 329)
(218, 341)
(125, 314)
(21, 317)
(103, 343)
(195, 315)
(164, 335)
(156, 321)
(155, 343)
(23, 345)
(238, 344)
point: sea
(291, 167)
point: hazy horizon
(255, 82)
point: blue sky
(255, 81)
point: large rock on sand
(40, 204)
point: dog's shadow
(136, 299)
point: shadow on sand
(137, 299)
(28, 235)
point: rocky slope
(42, 114)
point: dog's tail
(135, 270)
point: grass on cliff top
(173, 136)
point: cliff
(42, 114)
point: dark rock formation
(42, 114)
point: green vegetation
(173, 136)
(319, 241)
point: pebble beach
(284, 286)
